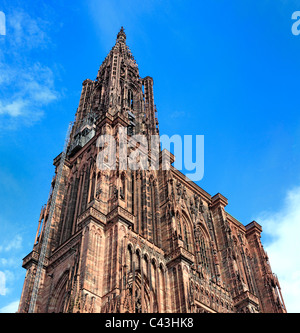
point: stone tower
(143, 240)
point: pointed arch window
(130, 99)
(187, 235)
(155, 215)
(93, 184)
(204, 261)
(137, 261)
(123, 186)
(203, 251)
(178, 226)
(129, 262)
(100, 95)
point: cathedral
(113, 240)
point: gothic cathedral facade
(139, 241)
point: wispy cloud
(282, 229)
(14, 109)
(12, 244)
(27, 86)
(10, 250)
(27, 32)
(10, 279)
(33, 89)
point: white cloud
(26, 86)
(283, 247)
(25, 31)
(7, 282)
(10, 262)
(10, 308)
(13, 244)
(14, 108)
(2, 284)
(26, 96)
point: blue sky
(228, 70)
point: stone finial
(121, 35)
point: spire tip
(121, 35)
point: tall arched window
(123, 186)
(179, 231)
(93, 184)
(203, 251)
(129, 259)
(154, 286)
(155, 213)
(71, 206)
(146, 266)
(130, 99)
(85, 188)
(187, 235)
(99, 96)
(162, 289)
(59, 296)
(139, 198)
(138, 261)
(203, 255)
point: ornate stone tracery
(140, 240)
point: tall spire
(121, 37)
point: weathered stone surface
(144, 240)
